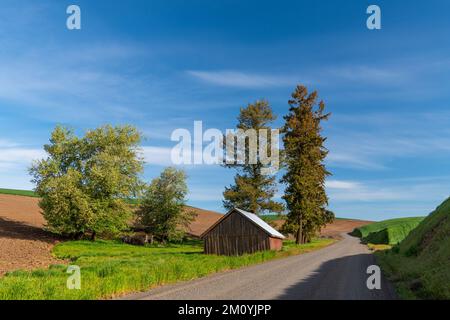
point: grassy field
(28, 193)
(388, 232)
(24, 193)
(110, 268)
(420, 265)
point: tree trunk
(79, 236)
(93, 236)
(299, 236)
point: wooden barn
(240, 232)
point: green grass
(388, 232)
(24, 193)
(28, 193)
(110, 268)
(420, 265)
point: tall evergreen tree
(253, 189)
(304, 155)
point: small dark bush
(412, 251)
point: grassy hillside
(420, 265)
(28, 193)
(24, 193)
(387, 232)
(110, 268)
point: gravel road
(337, 272)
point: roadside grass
(110, 268)
(388, 232)
(23, 193)
(419, 266)
(379, 247)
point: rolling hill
(388, 231)
(24, 193)
(420, 265)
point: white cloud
(157, 155)
(372, 141)
(341, 185)
(15, 160)
(352, 160)
(371, 74)
(242, 79)
(394, 190)
(18, 157)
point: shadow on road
(340, 279)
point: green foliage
(253, 190)
(84, 183)
(304, 155)
(273, 217)
(23, 193)
(419, 266)
(110, 268)
(388, 231)
(162, 210)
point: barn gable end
(240, 232)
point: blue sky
(161, 65)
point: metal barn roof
(252, 217)
(261, 223)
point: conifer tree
(253, 189)
(304, 155)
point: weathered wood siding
(276, 244)
(236, 235)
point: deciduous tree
(84, 183)
(163, 212)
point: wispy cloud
(243, 79)
(159, 156)
(341, 191)
(14, 156)
(377, 141)
(370, 74)
(348, 159)
(341, 185)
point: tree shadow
(22, 231)
(340, 279)
(361, 241)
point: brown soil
(342, 226)
(203, 221)
(23, 243)
(335, 229)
